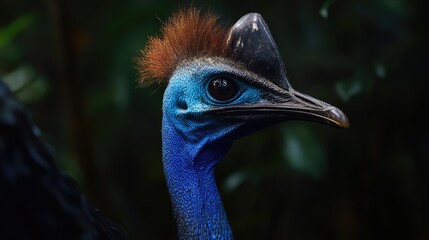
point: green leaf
(19, 77)
(26, 84)
(348, 89)
(324, 10)
(303, 151)
(380, 70)
(9, 32)
(234, 180)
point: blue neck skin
(194, 141)
(189, 170)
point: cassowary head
(225, 83)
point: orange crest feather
(186, 35)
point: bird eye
(222, 89)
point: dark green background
(71, 63)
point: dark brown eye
(222, 89)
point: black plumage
(37, 199)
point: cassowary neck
(196, 202)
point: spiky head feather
(188, 34)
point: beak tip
(339, 118)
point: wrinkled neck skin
(189, 171)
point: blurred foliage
(71, 62)
(304, 151)
(19, 24)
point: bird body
(38, 200)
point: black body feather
(37, 199)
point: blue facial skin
(194, 141)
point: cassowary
(222, 84)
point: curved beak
(287, 105)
